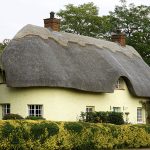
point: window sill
(140, 123)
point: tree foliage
(83, 20)
(135, 22)
(4, 44)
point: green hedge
(12, 117)
(41, 135)
(103, 117)
(73, 127)
(40, 128)
(35, 118)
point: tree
(135, 22)
(3, 45)
(83, 20)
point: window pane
(8, 111)
(8, 106)
(32, 111)
(37, 106)
(37, 111)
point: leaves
(135, 22)
(71, 135)
(4, 44)
(83, 20)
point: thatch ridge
(64, 38)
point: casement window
(5, 109)
(117, 109)
(139, 115)
(90, 108)
(120, 84)
(35, 110)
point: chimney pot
(52, 14)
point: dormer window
(120, 84)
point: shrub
(103, 117)
(73, 127)
(12, 117)
(7, 129)
(91, 116)
(15, 134)
(35, 118)
(46, 129)
(115, 118)
(145, 127)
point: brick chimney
(52, 22)
(119, 38)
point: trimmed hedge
(75, 127)
(41, 135)
(39, 128)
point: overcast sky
(14, 14)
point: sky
(15, 14)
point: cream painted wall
(65, 104)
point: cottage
(58, 75)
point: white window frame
(35, 110)
(139, 115)
(6, 109)
(116, 109)
(90, 108)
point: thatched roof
(40, 57)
